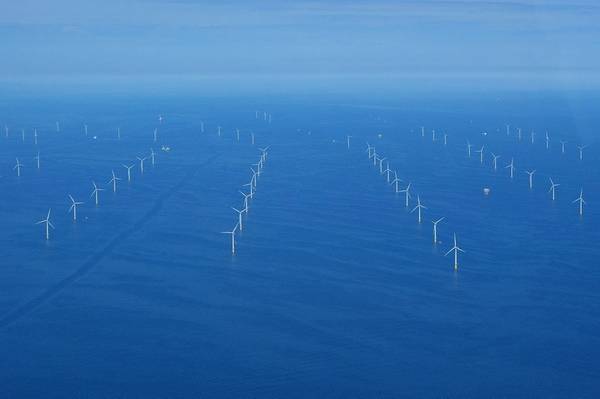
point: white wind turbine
(18, 167)
(469, 146)
(348, 141)
(201, 126)
(155, 135)
(562, 146)
(581, 202)
(511, 166)
(396, 181)
(47, 223)
(142, 159)
(114, 179)
(95, 192)
(128, 171)
(232, 232)
(381, 165)
(495, 157)
(37, 159)
(581, 148)
(435, 223)
(73, 207)
(240, 218)
(519, 133)
(418, 208)
(530, 173)
(553, 188)
(35, 136)
(532, 137)
(246, 196)
(547, 140)
(480, 151)
(456, 250)
(152, 154)
(406, 192)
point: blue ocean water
(335, 289)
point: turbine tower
(47, 223)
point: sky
(378, 38)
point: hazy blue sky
(379, 37)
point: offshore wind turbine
(456, 250)
(18, 167)
(581, 148)
(252, 137)
(553, 188)
(155, 135)
(152, 156)
(118, 133)
(433, 135)
(6, 131)
(481, 153)
(73, 207)
(114, 180)
(128, 171)
(85, 130)
(396, 181)
(201, 126)
(435, 223)
(519, 133)
(547, 141)
(95, 192)
(142, 163)
(511, 166)
(418, 208)
(387, 171)
(530, 173)
(406, 192)
(581, 202)
(37, 159)
(469, 145)
(422, 131)
(495, 157)
(381, 165)
(237, 134)
(348, 142)
(562, 146)
(246, 196)
(532, 137)
(445, 139)
(35, 136)
(219, 131)
(48, 224)
(232, 232)
(240, 218)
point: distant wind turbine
(95, 192)
(128, 171)
(530, 173)
(511, 166)
(581, 148)
(48, 224)
(18, 167)
(456, 250)
(418, 208)
(553, 188)
(435, 223)
(114, 181)
(240, 218)
(141, 163)
(581, 202)
(73, 207)
(495, 157)
(232, 232)
(406, 192)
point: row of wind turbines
(247, 197)
(580, 201)
(419, 208)
(95, 193)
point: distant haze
(518, 40)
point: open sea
(335, 289)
